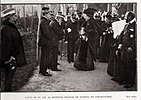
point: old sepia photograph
(68, 47)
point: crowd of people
(89, 36)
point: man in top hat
(45, 39)
(58, 33)
(12, 53)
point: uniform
(128, 53)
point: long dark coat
(93, 32)
(45, 36)
(45, 41)
(128, 58)
(71, 37)
(57, 32)
(124, 64)
(128, 39)
(57, 35)
(11, 44)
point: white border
(115, 95)
(66, 1)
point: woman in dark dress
(87, 43)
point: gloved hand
(129, 49)
(69, 30)
(118, 54)
(85, 38)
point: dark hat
(45, 8)
(8, 12)
(89, 11)
(131, 14)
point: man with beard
(45, 39)
(58, 33)
(127, 51)
(12, 53)
(71, 37)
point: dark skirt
(112, 61)
(84, 59)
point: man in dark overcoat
(57, 34)
(127, 50)
(12, 51)
(71, 36)
(45, 39)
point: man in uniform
(127, 51)
(45, 39)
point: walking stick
(61, 49)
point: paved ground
(70, 79)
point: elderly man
(45, 39)
(58, 33)
(12, 53)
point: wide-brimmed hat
(8, 12)
(89, 11)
